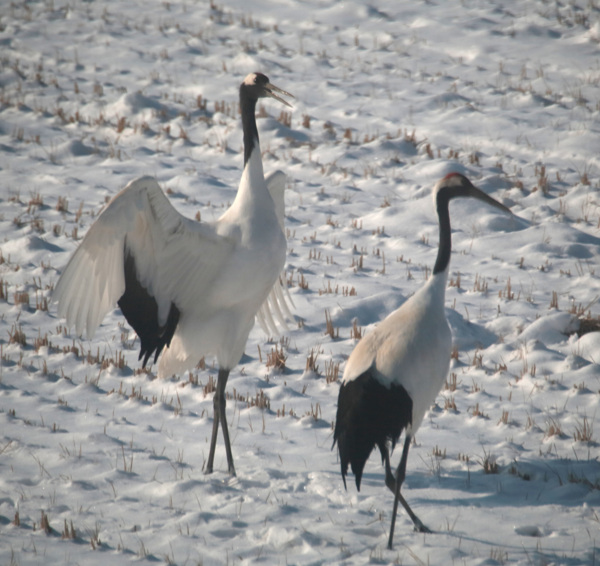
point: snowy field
(102, 463)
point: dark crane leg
(394, 483)
(219, 416)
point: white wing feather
(276, 308)
(174, 257)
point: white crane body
(189, 289)
(395, 372)
(414, 342)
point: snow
(390, 96)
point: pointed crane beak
(457, 185)
(474, 192)
(272, 90)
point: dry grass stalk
(357, 264)
(586, 325)
(439, 453)
(62, 205)
(449, 404)
(332, 371)
(21, 298)
(584, 431)
(16, 335)
(489, 464)
(355, 331)
(328, 290)
(477, 413)
(553, 428)
(348, 291)
(451, 382)
(480, 284)
(454, 282)
(329, 328)
(260, 400)
(302, 282)
(315, 412)
(507, 292)
(45, 524)
(543, 183)
(276, 358)
(95, 541)
(477, 360)
(69, 531)
(41, 302)
(285, 118)
(121, 124)
(311, 361)
(41, 341)
(210, 386)
(201, 365)
(282, 412)
(504, 418)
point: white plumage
(399, 340)
(276, 310)
(395, 372)
(189, 289)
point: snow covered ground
(102, 463)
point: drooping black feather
(141, 311)
(369, 414)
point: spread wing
(276, 308)
(146, 256)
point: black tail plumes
(369, 414)
(141, 311)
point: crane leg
(394, 483)
(219, 417)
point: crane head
(257, 85)
(457, 185)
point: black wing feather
(141, 311)
(369, 414)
